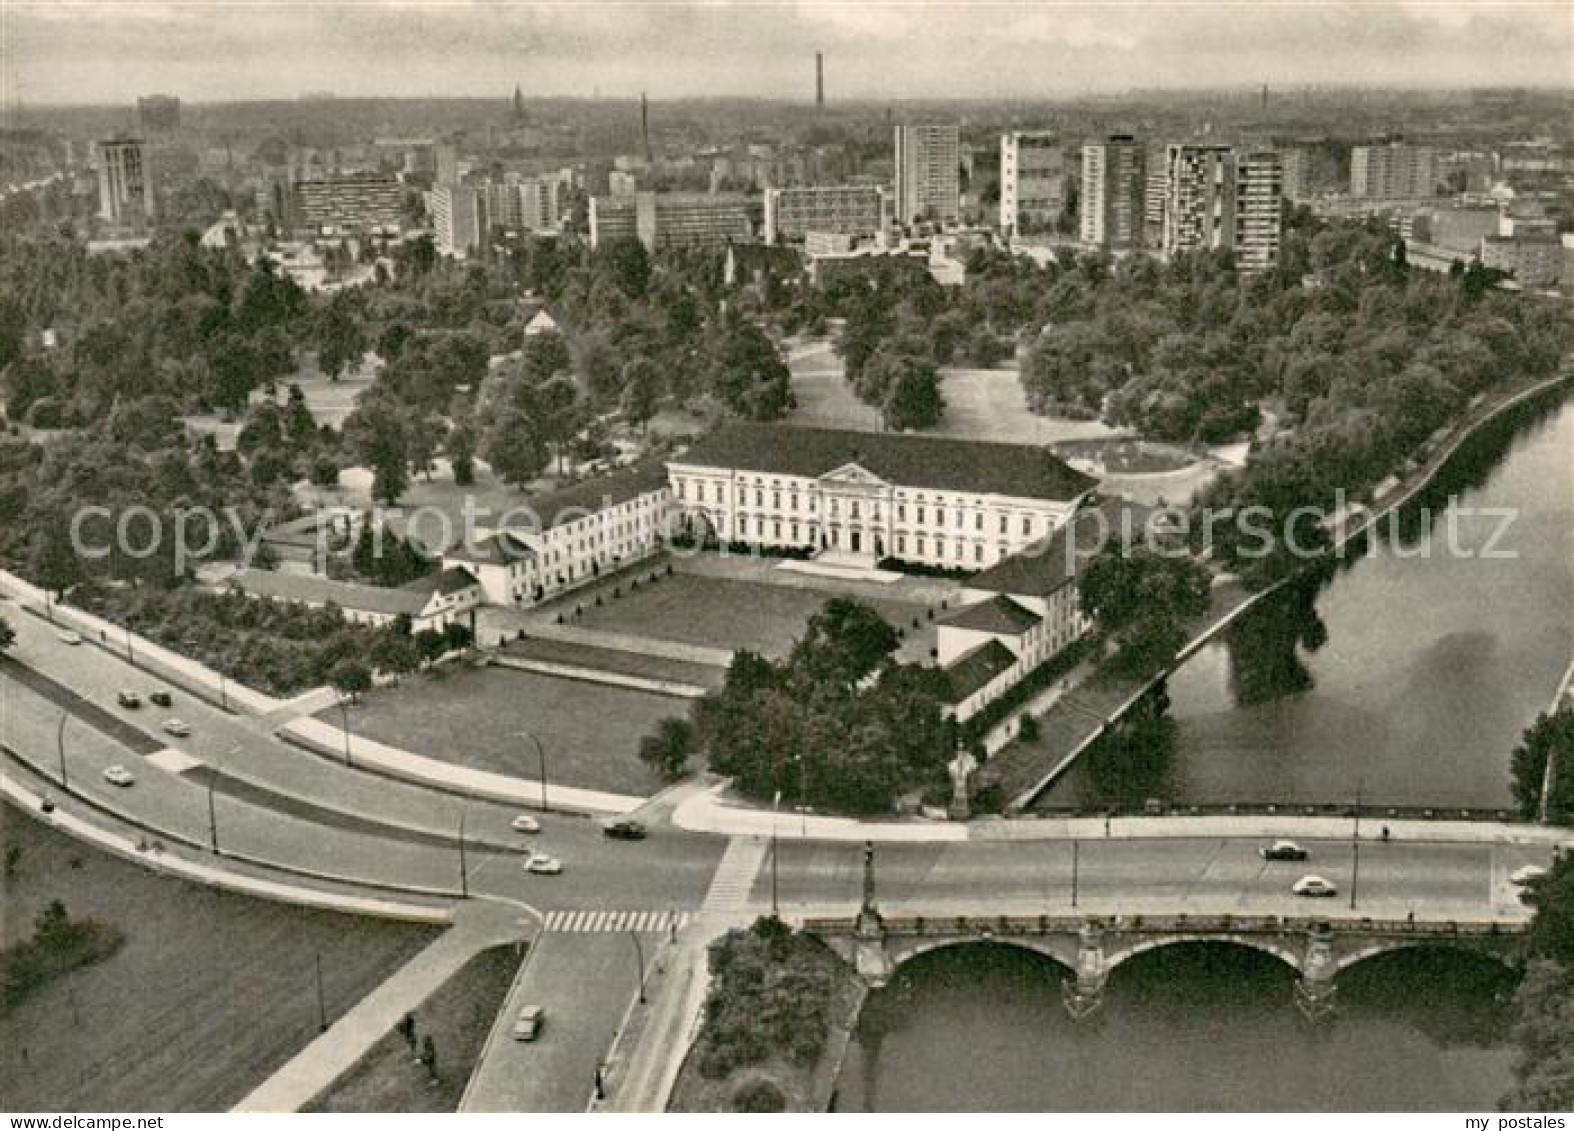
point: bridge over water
(1317, 949)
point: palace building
(865, 497)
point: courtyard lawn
(472, 717)
(739, 614)
(210, 993)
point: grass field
(981, 404)
(458, 1018)
(210, 994)
(473, 717)
(738, 614)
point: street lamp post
(1076, 861)
(322, 1000)
(1355, 844)
(541, 755)
(224, 699)
(60, 747)
(213, 820)
(344, 721)
(130, 658)
(639, 958)
(464, 868)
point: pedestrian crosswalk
(734, 878)
(606, 922)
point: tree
(378, 430)
(913, 400)
(748, 375)
(1544, 1003)
(641, 391)
(1552, 926)
(515, 449)
(7, 634)
(666, 750)
(341, 339)
(843, 642)
(1143, 598)
(1543, 1035)
(1549, 738)
(350, 678)
(462, 449)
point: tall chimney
(644, 127)
(819, 80)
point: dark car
(160, 698)
(128, 699)
(1283, 850)
(624, 830)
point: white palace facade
(865, 497)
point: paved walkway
(646, 1056)
(711, 810)
(477, 927)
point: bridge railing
(987, 925)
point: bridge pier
(1084, 994)
(1314, 990)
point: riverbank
(1087, 711)
(778, 1017)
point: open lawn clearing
(211, 993)
(472, 717)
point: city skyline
(105, 53)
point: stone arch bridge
(1317, 949)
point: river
(1184, 1028)
(1406, 676)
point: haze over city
(97, 52)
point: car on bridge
(525, 823)
(176, 727)
(160, 698)
(119, 775)
(624, 828)
(543, 865)
(1283, 850)
(1314, 887)
(68, 637)
(1527, 874)
(128, 699)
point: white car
(542, 864)
(1523, 876)
(1314, 886)
(119, 775)
(69, 637)
(528, 1023)
(176, 727)
(525, 823)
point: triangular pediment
(853, 475)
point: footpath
(710, 810)
(477, 926)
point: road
(278, 804)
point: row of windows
(854, 510)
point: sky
(109, 51)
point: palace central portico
(865, 497)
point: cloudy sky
(205, 50)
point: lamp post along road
(639, 959)
(776, 804)
(541, 755)
(60, 747)
(1355, 843)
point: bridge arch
(1487, 950)
(1281, 948)
(1061, 951)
